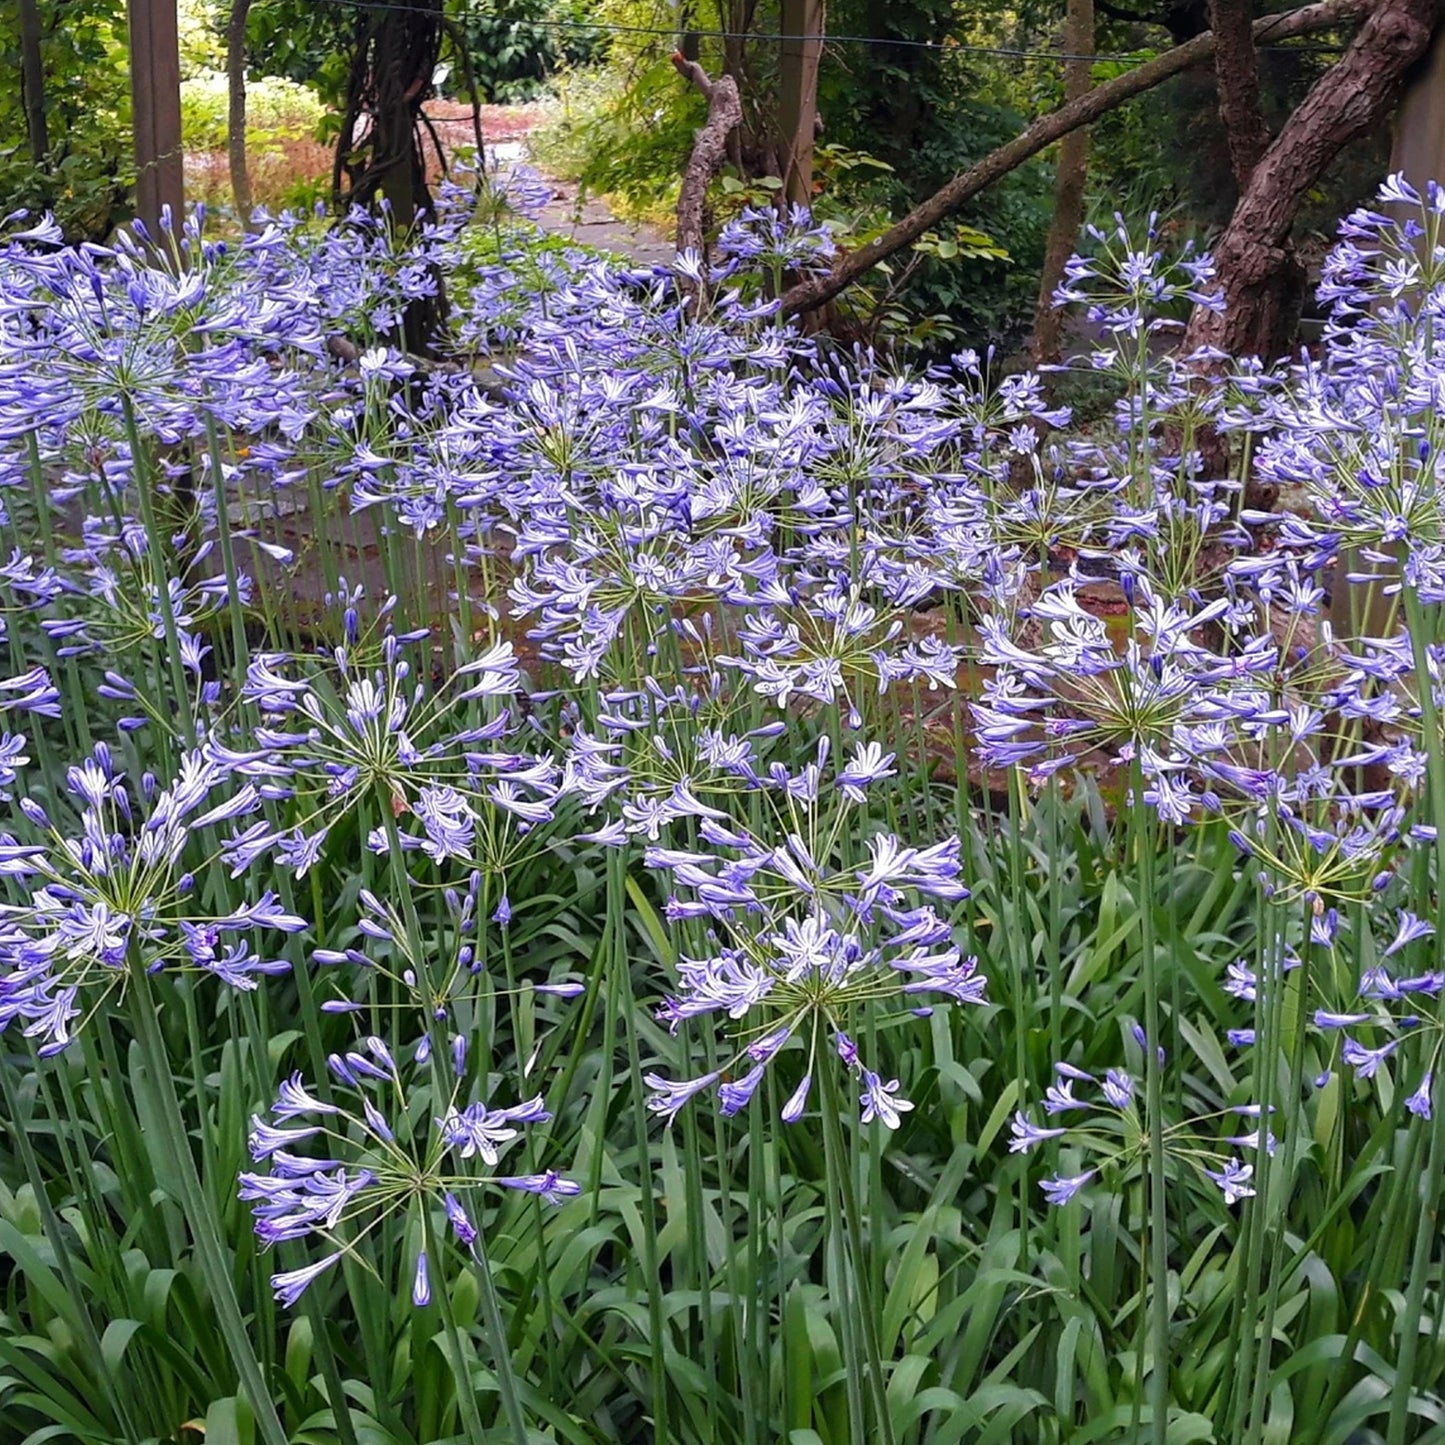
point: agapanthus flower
(378, 1157)
(358, 730)
(800, 946)
(1107, 1123)
(108, 885)
(1061, 1188)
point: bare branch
(692, 72)
(724, 112)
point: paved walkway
(593, 224)
(505, 129)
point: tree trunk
(155, 102)
(1418, 152)
(236, 109)
(1236, 77)
(32, 81)
(402, 63)
(1069, 181)
(396, 53)
(735, 20)
(802, 43)
(1042, 133)
(378, 148)
(1262, 282)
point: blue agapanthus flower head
(336, 1167)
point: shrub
(276, 111)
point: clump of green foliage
(85, 178)
(516, 46)
(276, 110)
(512, 46)
(623, 131)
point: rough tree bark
(1069, 182)
(1236, 78)
(802, 50)
(236, 108)
(724, 112)
(1260, 278)
(379, 147)
(750, 149)
(807, 295)
(32, 81)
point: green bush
(276, 110)
(623, 133)
(85, 178)
(516, 45)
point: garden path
(587, 220)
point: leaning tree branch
(709, 147)
(807, 295)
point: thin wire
(947, 46)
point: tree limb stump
(709, 149)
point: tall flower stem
(619, 969)
(1294, 1127)
(836, 1253)
(241, 653)
(215, 1267)
(845, 1245)
(1017, 930)
(492, 1319)
(1252, 1234)
(1427, 1226)
(1158, 1269)
(461, 1371)
(157, 547)
(491, 1310)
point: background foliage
(85, 179)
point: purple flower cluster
(378, 1161)
(108, 888)
(803, 945)
(1106, 1124)
(745, 559)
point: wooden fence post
(155, 88)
